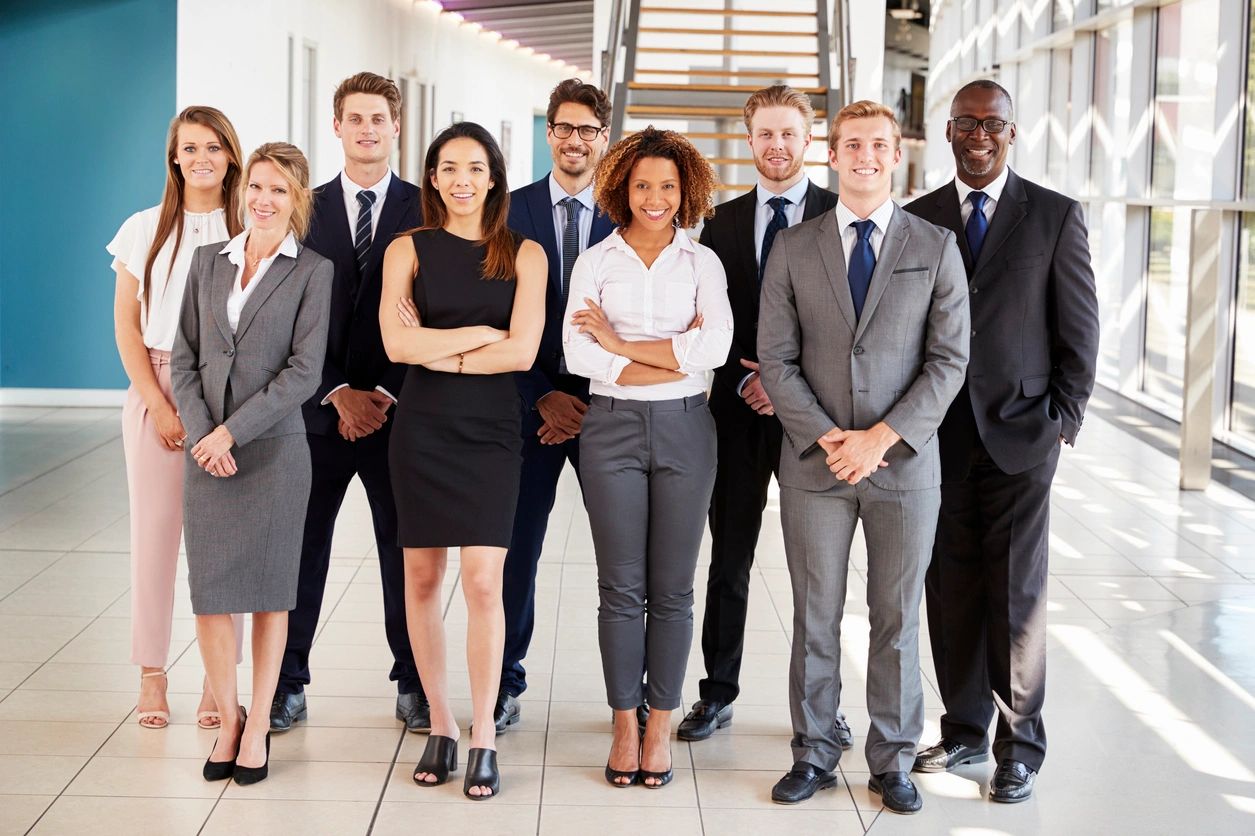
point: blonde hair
(864, 109)
(294, 168)
(779, 95)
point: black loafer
(801, 782)
(481, 771)
(440, 757)
(845, 736)
(947, 754)
(415, 712)
(286, 710)
(1012, 783)
(706, 716)
(507, 713)
(897, 792)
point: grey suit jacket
(256, 379)
(902, 362)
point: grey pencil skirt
(243, 532)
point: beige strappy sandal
(162, 716)
(208, 719)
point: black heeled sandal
(440, 757)
(481, 771)
(222, 770)
(612, 776)
(245, 775)
(663, 778)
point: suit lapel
(1008, 213)
(946, 213)
(817, 201)
(223, 279)
(891, 249)
(602, 226)
(275, 274)
(541, 211)
(394, 207)
(743, 230)
(337, 225)
(834, 261)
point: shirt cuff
(741, 386)
(617, 364)
(327, 399)
(391, 396)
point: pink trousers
(154, 478)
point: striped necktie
(361, 233)
(570, 243)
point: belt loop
(610, 405)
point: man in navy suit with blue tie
(356, 215)
(558, 212)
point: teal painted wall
(542, 160)
(89, 86)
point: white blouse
(650, 303)
(160, 319)
(234, 251)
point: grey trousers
(648, 468)
(818, 529)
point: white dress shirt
(650, 303)
(993, 191)
(793, 210)
(880, 216)
(352, 207)
(234, 251)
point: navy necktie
(862, 264)
(570, 243)
(361, 233)
(778, 222)
(977, 224)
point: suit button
(230, 352)
(858, 349)
(973, 332)
(976, 290)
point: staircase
(689, 65)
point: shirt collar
(234, 250)
(795, 194)
(380, 189)
(558, 194)
(681, 240)
(993, 190)
(880, 216)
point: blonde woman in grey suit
(250, 349)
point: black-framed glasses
(562, 130)
(992, 126)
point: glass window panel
(1242, 410)
(1113, 71)
(1249, 179)
(1064, 13)
(1185, 99)
(1167, 286)
(1059, 117)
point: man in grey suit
(862, 344)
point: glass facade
(1113, 60)
(1242, 404)
(1187, 41)
(1167, 286)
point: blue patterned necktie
(862, 264)
(570, 244)
(977, 224)
(361, 233)
(778, 222)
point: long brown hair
(499, 243)
(171, 218)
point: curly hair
(697, 178)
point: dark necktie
(862, 264)
(361, 233)
(570, 243)
(977, 224)
(778, 222)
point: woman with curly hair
(648, 317)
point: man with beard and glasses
(778, 129)
(1034, 351)
(558, 212)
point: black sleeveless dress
(456, 448)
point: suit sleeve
(919, 412)
(299, 379)
(731, 373)
(185, 379)
(780, 352)
(1074, 326)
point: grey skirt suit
(243, 532)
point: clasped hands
(213, 453)
(852, 455)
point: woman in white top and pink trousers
(152, 253)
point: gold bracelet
(461, 360)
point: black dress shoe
(222, 770)
(481, 771)
(440, 757)
(286, 710)
(245, 775)
(1012, 783)
(706, 716)
(845, 737)
(801, 782)
(897, 792)
(415, 712)
(507, 713)
(947, 754)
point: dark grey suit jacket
(256, 379)
(901, 362)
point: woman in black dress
(464, 304)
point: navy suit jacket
(531, 215)
(355, 353)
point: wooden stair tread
(724, 12)
(732, 33)
(728, 73)
(748, 52)
(713, 88)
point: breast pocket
(910, 274)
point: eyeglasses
(562, 130)
(992, 126)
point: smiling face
(201, 157)
(462, 176)
(268, 198)
(979, 156)
(778, 139)
(864, 156)
(575, 156)
(654, 193)
(366, 130)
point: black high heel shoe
(663, 778)
(245, 775)
(440, 757)
(222, 770)
(612, 776)
(481, 771)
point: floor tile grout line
(553, 664)
(53, 470)
(40, 572)
(387, 780)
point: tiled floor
(1151, 708)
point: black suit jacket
(355, 353)
(531, 215)
(730, 233)
(1034, 348)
